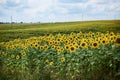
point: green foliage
(48, 58)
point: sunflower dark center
(55, 42)
(95, 44)
(58, 39)
(83, 44)
(36, 45)
(66, 47)
(103, 41)
(118, 40)
(72, 48)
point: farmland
(88, 50)
(8, 32)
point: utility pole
(11, 21)
(82, 14)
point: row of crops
(74, 56)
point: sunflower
(63, 59)
(67, 41)
(111, 38)
(12, 56)
(13, 47)
(53, 47)
(4, 54)
(72, 33)
(25, 48)
(53, 42)
(45, 47)
(83, 45)
(104, 41)
(41, 47)
(72, 48)
(17, 57)
(76, 45)
(111, 33)
(51, 63)
(89, 40)
(66, 47)
(59, 51)
(50, 42)
(97, 33)
(117, 41)
(36, 45)
(47, 60)
(95, 45)
(23, 53)
(59, 39)
(57, 43)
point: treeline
(10, 22)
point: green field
(14, 31)
(88, 50)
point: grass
(8, 32)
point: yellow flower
(47, 61)
(45, 47)
(53, 47)
(41, 47)
(104, 41)
(36, 45)
(117, 41)
(13, 47)
(66, 47)
(72, 48)
(63, 59)
(76, 45)
(67, 41)
(23, 53)
(51, 63)
(84, 45)
(4, 54)
(111, 33)
(94, 45)
(111, 38)
(17, 57)
(12, 56)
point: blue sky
(58, 10)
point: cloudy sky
(58, 10)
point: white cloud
(57, 10)
(2, 1)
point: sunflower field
(73, 56)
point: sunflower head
(17, 57)
(63, 59)
(117, 41)
(45, 47)
(36, 45)
(83, 45)
(66, 47)
(23, 53)
(59, 51)
(72, 48)
(51, 63)
(94, 45)
(53, 47)
(41, 47)
(47, 60)
(12, 56)
(104, 41)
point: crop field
(23, 31)
(88, 50)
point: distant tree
(21, 22)
(1, 23)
